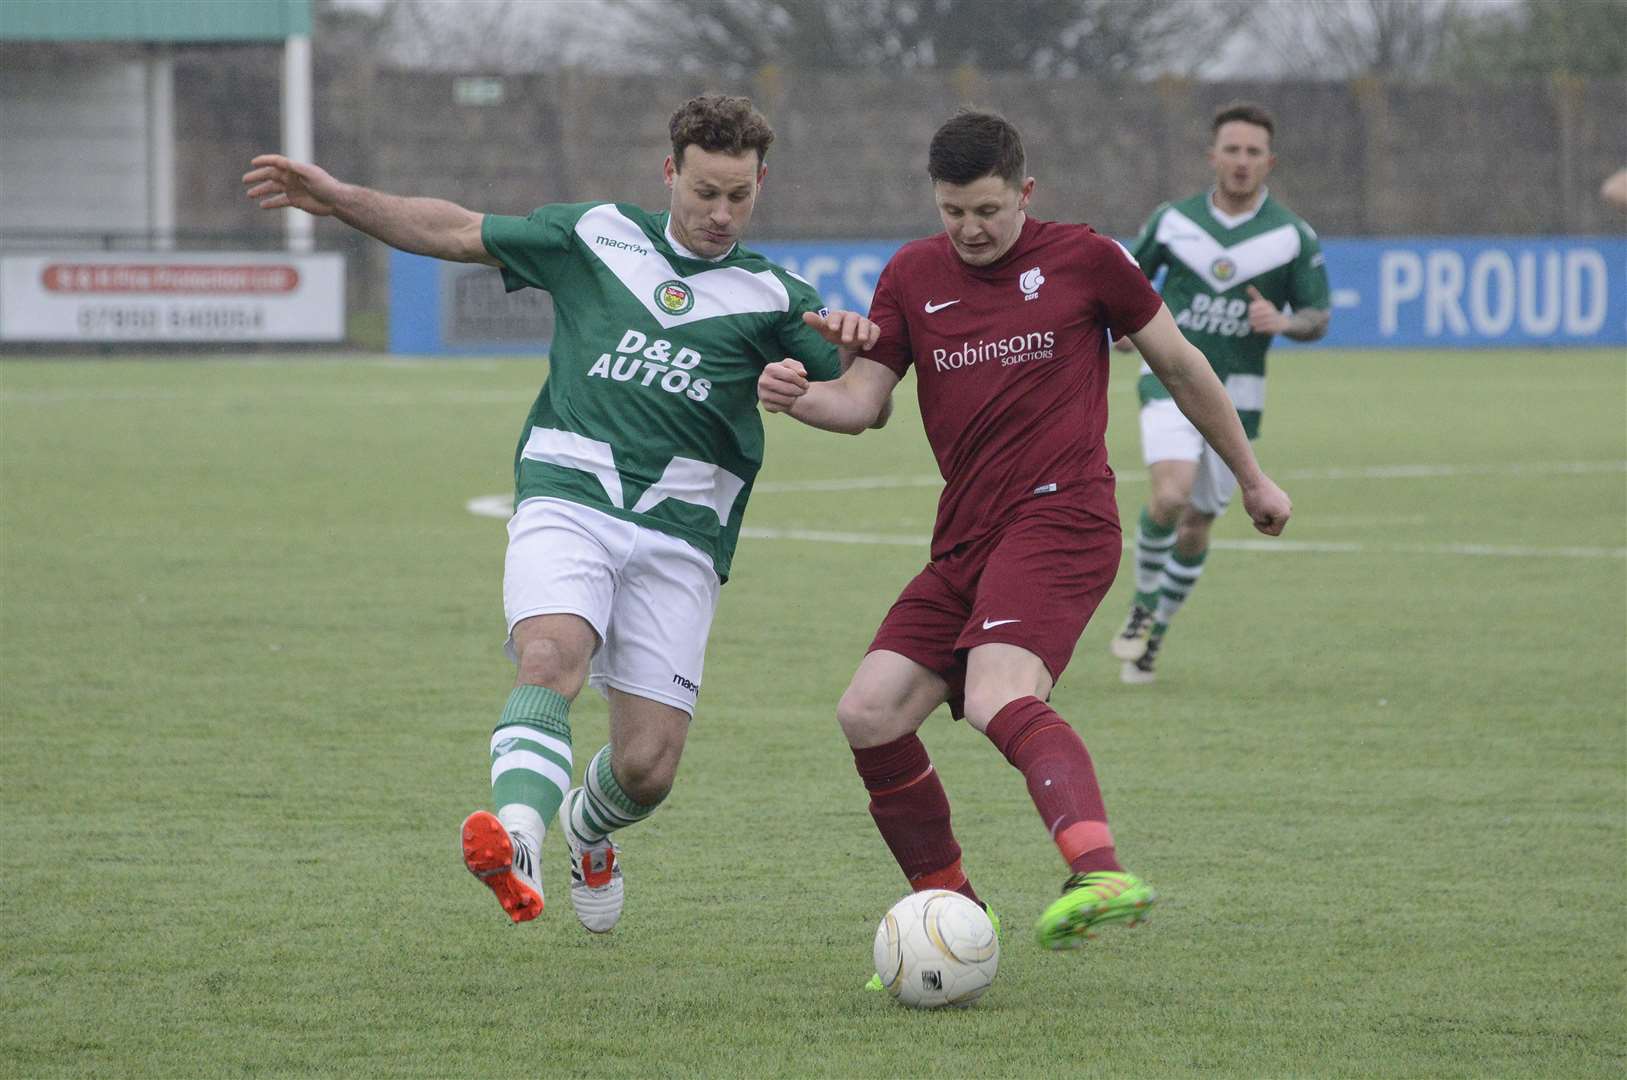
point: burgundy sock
(911, 810)
(1061, 781)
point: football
(936, 947)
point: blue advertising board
(1402, 292)
(1411, 292)
(1456, 292)
(461, 309)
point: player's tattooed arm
(1266, 318)
(1307, 325)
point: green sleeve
(800, 340)
(535, 248)
(1147, 251)
(1308, 278)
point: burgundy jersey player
(1006, 320)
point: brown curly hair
(720, 124)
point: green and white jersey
(1211, 261)
(649, 411)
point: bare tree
(1341, 39)
(492, 36)
(1052, 38)
(1534, 38)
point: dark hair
(1249, 113)
(720, 124)
(973, 145)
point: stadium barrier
(1405, 292)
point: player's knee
(863, 717)
(982, 703)
(1167, 505)
(543, 661)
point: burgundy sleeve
(892, 349)
(1128, 299)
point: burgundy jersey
(1011, 366)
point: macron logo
(622, 245)
(931, 307)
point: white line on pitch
(501, 506)
(1365, 472)
(1284, 547)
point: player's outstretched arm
(433, 227)
(1190, 380)
(850, 404)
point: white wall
(74, 146)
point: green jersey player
(1234, 258)
(631, 476)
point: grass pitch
(250, 655)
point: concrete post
(298, 140)
(160, 72)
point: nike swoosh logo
(931, 307)
(990, 624)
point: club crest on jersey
(674, 297)
(1223, 269)
(1030, 282)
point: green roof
(153, 20)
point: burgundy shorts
(1033, 583)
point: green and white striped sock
(531, 759)
(1153, 544)
(602, 807)
(1180, 575)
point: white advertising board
(172, 296)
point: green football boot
(994, 917)
(1089, 901)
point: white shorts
(1167, 435)
(650, 597)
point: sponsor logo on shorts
(688, 684)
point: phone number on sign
(164, 321)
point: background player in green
(631, 475)
(1234, 257)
